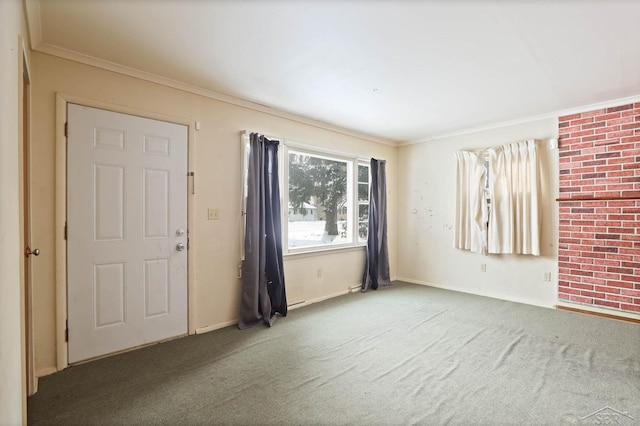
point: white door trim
(27, 289)
(61, 211)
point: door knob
(180, 247)
(28, 252)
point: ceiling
(400, 71)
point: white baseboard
(213, 327)
(598, 310)
(295, 305)
(464, 290)
(46, 371)
(328, 296)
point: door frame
(62, 100)
(30, 379)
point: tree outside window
(326, 196)
(318, 193)
(363, 202)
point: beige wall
(12, 376)
(426, 215)
(216, 243)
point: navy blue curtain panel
(263, 287)
(376, 270)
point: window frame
(367, 164)
(353, 162)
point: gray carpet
(402, 355)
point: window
(326, 195)
(319, 207)
(246, 149)
(501, 186)
(363, 201)
(486, 192)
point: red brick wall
(599, 240)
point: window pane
(318, 209)
(246, 150)
(363, 222)
(363, 192)
(363, 213)
(363, 202)
(363, 173)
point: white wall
(426, 215)
(216, 243)
(12, 384)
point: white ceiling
(396, 70)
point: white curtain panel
(514, 222)
(471, 203)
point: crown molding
(179, 85)
(498, 125)
(599, 105)
(33, 15)
(34, 22)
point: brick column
(599, 234)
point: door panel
(126, 199)
(156, 286)
(108, 190)
(156, 204)
(109, 294)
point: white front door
(126, 231)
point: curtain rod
(318, 149)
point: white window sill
(323, 251)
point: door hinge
(65, 230)
(66, 331)
(66, 129)
(193, 184)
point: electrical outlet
(319, 273)
(483, 267)
(547, 276)
(213, 214)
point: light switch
(214, 214)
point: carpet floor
(402, 355)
